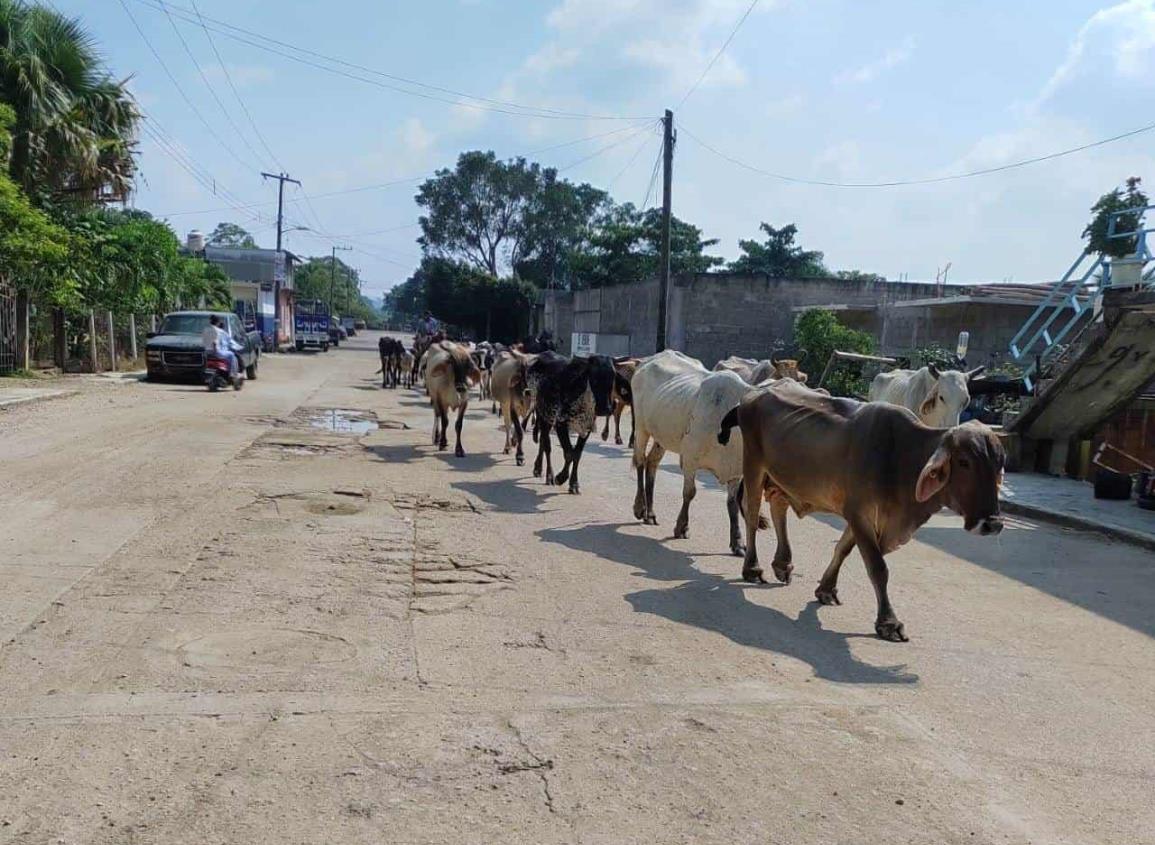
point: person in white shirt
(209, 335)
(223, 345)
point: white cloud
(870, 71)
(243, 76)
(415, 137)
(838, 160)
(1121, 37)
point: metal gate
(7, 328)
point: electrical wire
(718, 55)
(212, 90)
(604, 149)
(236, 93)
(653, 180)
(931, 180)
(628, 165)
(462, 99)
(180, 89)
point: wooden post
(92, 341)
(111, 343)
(23, 330)
(664, 256)
(59, 338)
(132, 335)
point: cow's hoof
(549, 480)
(618, 441)
(753, 574)
(783, 571)
(505, 451)
(561, 477)
(650, 519)
(459, 452)
(574, 489)
(827, 596)
(520, 460)
(738, 550)
(639, 510)
(681, 531)
(891, 630)
(605, 436)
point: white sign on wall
(584, 344)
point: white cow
(679, 404)
(936, 397)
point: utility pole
(333, 274)
(664, 261)
(281, 178)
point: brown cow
(449, 372)
(622, 397)
(873, 464)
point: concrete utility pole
(281, 178)
(333, 274)
(664, 261)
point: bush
(820, 334)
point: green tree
(819, 333)
(75, 129)
(625, 248)
(859, 276)
(230, 234)
(407, 300)
(319, 276)
(476, 302)
(1130, 196)
(779, 256)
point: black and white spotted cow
(569, 395)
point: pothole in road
(266, 647)
(342, 421)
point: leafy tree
(779, 256)
(859, 276)
(559, 226)
(820, 334)
(230, 234)
(318, 276)
(477, 212)
(1121, 199)
(408, 298)
(480, 304)
(75, 127)
(33, 250)
(625, 247)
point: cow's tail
(728, 422)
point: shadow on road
(1109, 579)
(511, 496)
(719, 604)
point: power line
(237, 94)
(463, 99)
(930, 180)
(717, 55)
(602, 150)
(653, 179)
(179, 88)
(212, 91)
(628, 165)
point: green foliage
(75, 127)
(518, 216)
(480, 304)
(33, 250)
(779, 256)
(230, 234)
(935, 353)
(859, 276)
(407, 300)
(820, 334)
(320, 278)
(1121, 199)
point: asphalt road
(244, 618)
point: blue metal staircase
(1074, 300)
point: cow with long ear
(874, 464)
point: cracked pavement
(226, 620)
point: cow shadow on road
(408, 453)
(508, 496)
(718, 604)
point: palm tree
(75, 132)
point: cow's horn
(976, 371)
(933, 369)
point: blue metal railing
(1036, 341)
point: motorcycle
(216, 374)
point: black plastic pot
(1112, 485)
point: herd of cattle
(885, 465)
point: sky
(818, 90)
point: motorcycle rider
(223, 345)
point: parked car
(347, 323)
(175, 350)
(337, 332)
(311, 324)
(359, 325)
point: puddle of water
(342, 421)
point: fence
(72, 341)
(8, 352)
